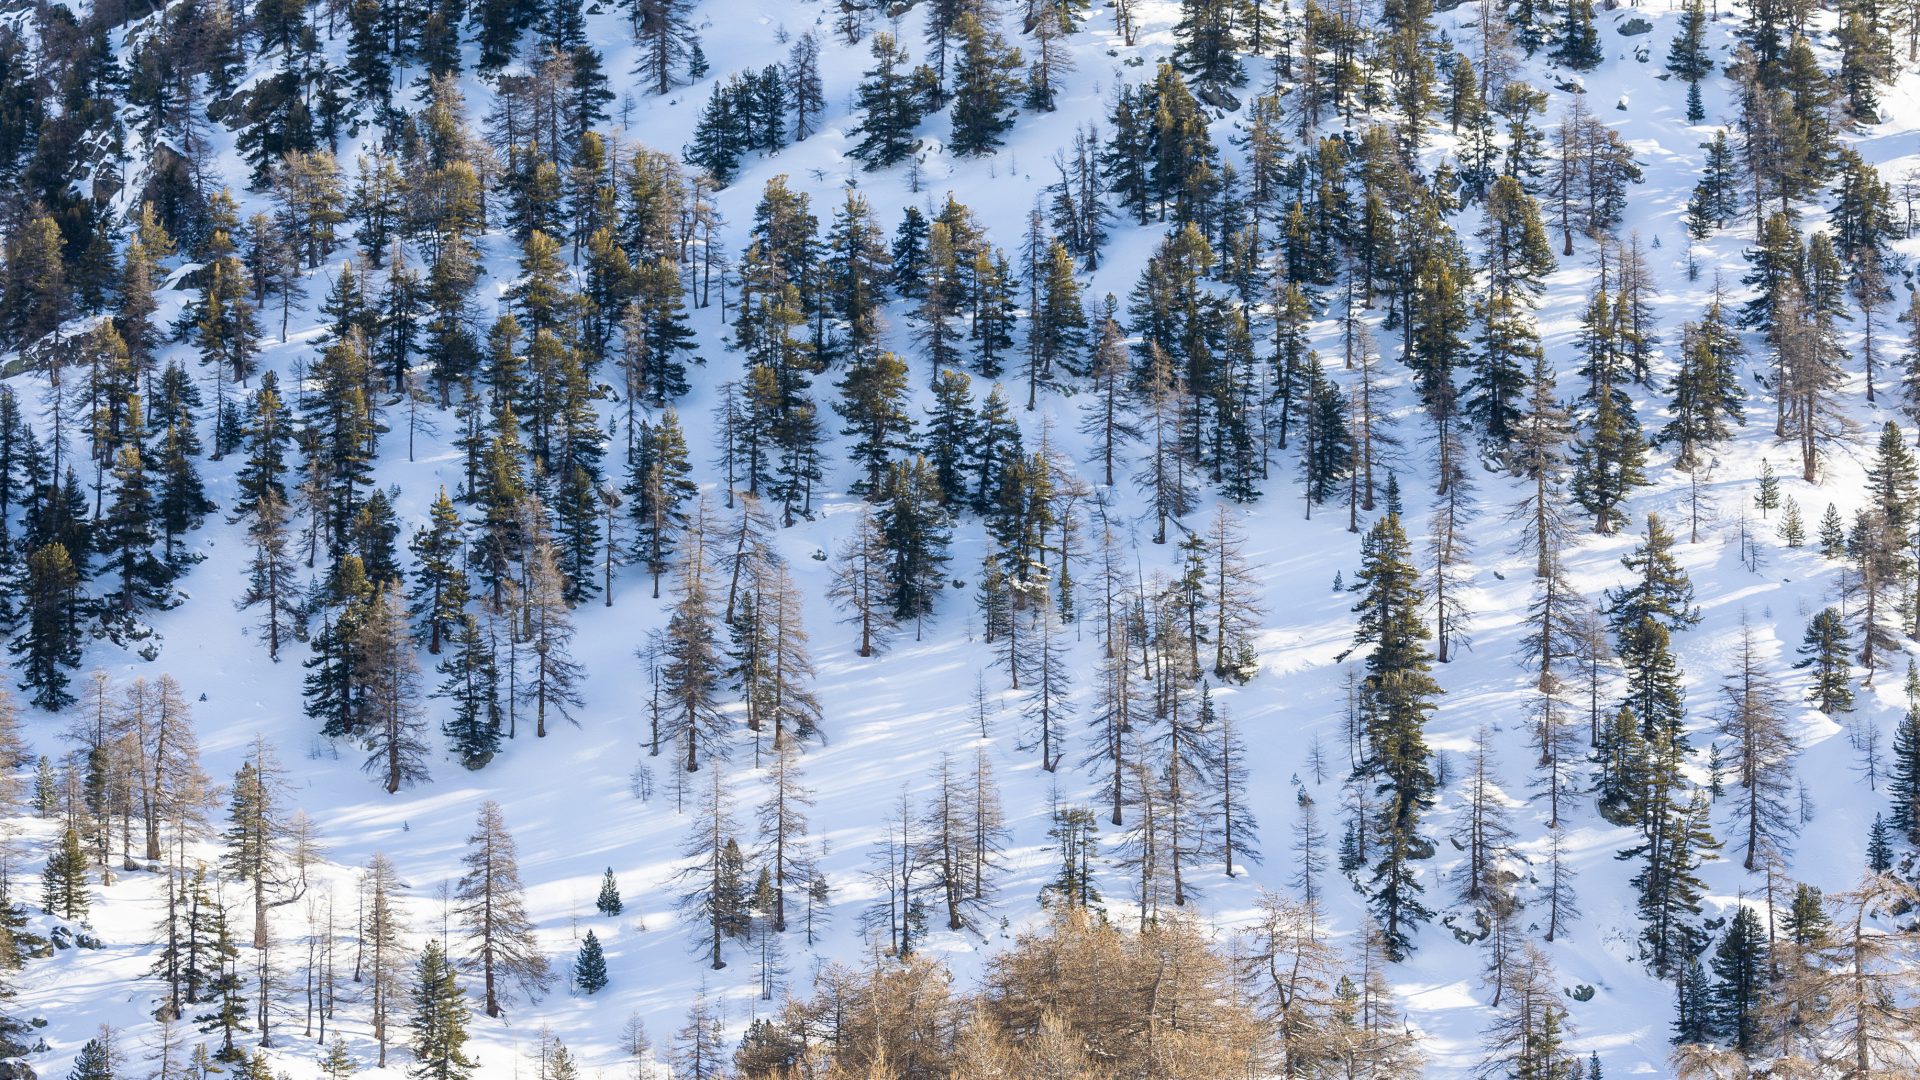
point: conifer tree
(64, 879)
(608, 902)
(693, 666)
(1610, 463)
(128, 534)
(1209, 43)
(915, 527)
(713, 895)
(471, 682)
(1793, 528)
(1879, 846)
(441, 590)
(1675, 839)
(490, 903)
(439, 1019)
(338, 1064)
(658, 486)
(388, 679)
(891, 99)
(1058, 335)
(1687, 57)
(1515, 260)
(1693, 1020)
(664, 31)
(1827, 648)
(1740, 978)
(271, 584)
(772, 667)
(1660, 589)
(257, 837)
(874, 403)
(98, 1058)
(986, 85)
(1706, 390)
(225, 988)
(50, 646)
(1903, 786)
(1397, 696)
(1762, 748)
(1833, 534)
(1893, 481)
(269, 434)
(862, 583)
(590, 967)
(1579, 44)
(940, 296)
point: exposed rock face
(16, 1040)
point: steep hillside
(1419, 273)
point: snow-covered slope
(570, 798)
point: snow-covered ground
(569, 798)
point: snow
(889, 719)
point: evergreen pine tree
(1706, 390)
(471, 682)
(65, 877)
(1740, 980)
(1687, 57)
(439, 1019)
(1833, 534)
(1659, 590)
(1579, 45)
(986, 86)
(1693, 1018)
(1793, 529)
(1879, 846)
(1610, 463)
(1675, 839)
(271, 575)
(659, 483)
(97, 1059)
(338, 1064)
(1827, 649)
(1398, 694)
(225, 989)
(608, 902)
(1515, 260)
(1903, 785)
(892, 99)
(590, 967)
(1208, 46)
(915, 528)
(874, 403)
(50, 646)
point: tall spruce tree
(439, 1025)
(1397, 695)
